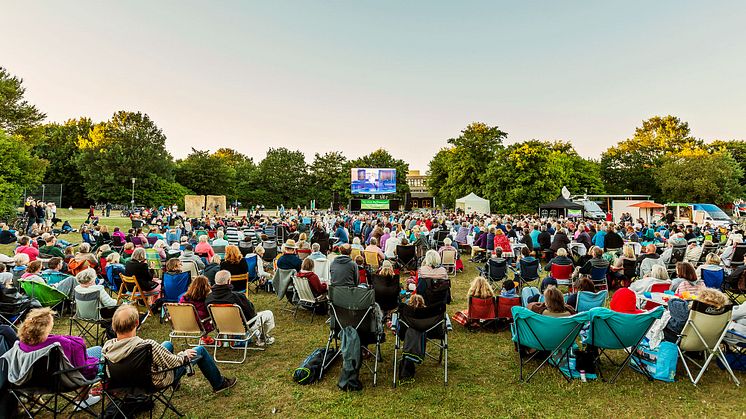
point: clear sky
(354, 76)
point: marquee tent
(473, 203)
(561, 207)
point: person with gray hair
(316, 252)
(89, 296)
(260, 324)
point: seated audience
(553, 304)
(343, 270)
(289, 258)
(686, 279)
(196, 295)
(33, 272)
(234, 261)
(658, 275)
(137, 266)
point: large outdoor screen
(373, 181)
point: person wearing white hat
(289, 259)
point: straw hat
(290, 244)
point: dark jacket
(545, 240)
(560, 242)
(141, 273)
(613, 241)
(210, 270)
(585, 238)
(239, 268)
(223, 294)
(289, 261)
(343, 272)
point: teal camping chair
(46, 295)
(612, 330)
(587, 300)
(555, 335)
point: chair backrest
(545, 333)
(612, 330)
(430, 318)
(47, 296)
(705, 326)
(587, 300)
(228, 319)
(660, 287)
(497, 269)
(629, 268)
(55, 277)
(189, 266)
(220, 250)
(598, 273)
(240, 282)
(321, 269)
(405, 254)
(449, 257)
(437, 290)
(174, 285)
(303, 288)
(270, 251)
(45, 373)
(529, 269)
(252, 263)
(505, 306)
(713, 278)
(528, 292)
(353, 306)
(482, 308)
(152, 240)
(738, 253)
(561, 272)
(153, 259)
(119, 375)
(282, 280)
(677, 254)
(387, 291)
(184, 318)
(706, 250)
(371, 259)
(354, 253)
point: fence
(46, 192)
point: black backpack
(308, 370)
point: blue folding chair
(587, 300)
(527, 271)
(174, 285)
(713, 278)
(252, 263)
(555, 335)
(528, 292)
(598, 276)
(612, 330)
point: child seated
(508, 289)
(362, 273)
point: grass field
(483, 380)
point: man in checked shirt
(125, 322)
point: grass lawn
(483, 380)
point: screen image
(373, 181)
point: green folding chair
(543, 334)
(46, 295)
(154, 261)
(610, 330)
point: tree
(19, 170)
(17, 116)
(58, 144)
(527, 174)
(696, 175)
(379, 158)
(461, 169)
(736, 148)
(324, 172)
(629, 166)
(127, 146)
(281, 178)
(206, 174)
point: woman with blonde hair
(679, 310)
(480, 288)
(234, 261)
(712, 263)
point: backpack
(308, 370)
(130, 406)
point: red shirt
(317, 287)
(32, 252)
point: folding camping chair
(527, 271)
(481, 312)
(173, 287)
(598, 277)
(706, 250)
(704, 332)
(153, 259)
(406, 257)
(135, 294)
(354, 253)
(88, 318)
(562, 274)
(12, 311)
(371, 260)
(282, 281)
(504, 306)
(528, 292)
(321, 269)
(252, 264)
(437, 291)
(53, 375)
(713, 278)
(611, 330)
(46, 295)
(354, 307)
(555, 335)
(387, 291)
(431, 321)
(677, 255)
(587, 300)
(119, 382)
(649, 305)
(496, 271)
(240, 283)
(736, 260)
(219, 250)
(449, 261)
(185, 322)
(305, 298)
(191, 267)
(231, 326)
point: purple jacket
(74, 349)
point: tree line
(95, 162)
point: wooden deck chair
(230, 326)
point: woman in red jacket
(502, 241)
(306, 271)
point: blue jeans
(205, 363)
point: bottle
(582, 376)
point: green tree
(324, 172)
(58, 144)
(736, 148)
(526, 174)
(696, 175)
(629, 166)
(460, 170)
(19, 170)
(129, 145)
(281, 178)
(17, 116)
(379, 158)
(206, 174)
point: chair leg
(722, 358)
(396, 358)
(710, 355)
(686, 367)
(445, 363)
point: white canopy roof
(473, 203)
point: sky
(355, 76)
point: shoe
(207, 340)
(269, 340)
(90, 401)
(227, 383)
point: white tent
(472, 203)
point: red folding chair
(481, 312)
(505, 306)
(562, 274)
(649, 305)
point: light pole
(133, 194)
(43, 190)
